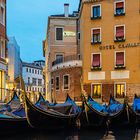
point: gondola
(49, 118)
(119, 114)
(136, 108)
(94, 114)
(40, 100)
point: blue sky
(27, 21)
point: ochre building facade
(110, 48)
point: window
(32, 88)
(96, 60)
(66, 82)
(59, 58)
(119, 8)
(120, 61)
(34, 81)
(96, 11)
(28, 80)
(96, 35)
(38, 71)
(57, 83)
(2, 14)
(2, 49)
(59, 34)
(120, 33)
(29, 70)
(78, 35)
(32, 70)
(39, 82)
(52, 81)
(96, 90)
(26, 69)
(35, 71)
(120, 90)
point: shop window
(57, 83)
(120, 90)
(96, 36)
(66, 81)
(96, 12)
(120, 33)
(96, 61)
(120, 59)
(119, 8)
(96, 90)
(59, 33)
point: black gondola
(49, 119)
(94, 115)
(40, 100)
(119, 114)
(136, 108)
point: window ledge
(123, 40)
(96, 68)
(120, 67)
(94, 18)
(117, 15)
(94, 43)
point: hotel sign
(69, 34)
(120, 46)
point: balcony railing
(66, 59)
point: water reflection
(84, 134)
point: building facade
(63, 66)
(3, 40)
(110, 48)
(14, 61)
(33, 78)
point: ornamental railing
(66, 59)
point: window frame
(68, 82)
(92, 35)
(118, 1)
(62, 34)
(55, 83)
(2, 5)
(95, 5)
(116, 83)
(115, 27)
(2, 49)
(100, 59)
(124, 59)
(92, 90)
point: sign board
(69, 34)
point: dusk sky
(27, 21)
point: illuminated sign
(69, 34)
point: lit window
(96, 60)
(120, 34)
(96, 91)
(119, 8)
(66, 82)
(57, 83)
(96, 36)
(120, 59)
(96, 11)
(120, 90)
(59, 34)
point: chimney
(66, 10)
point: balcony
(68, 61)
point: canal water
(84, 134)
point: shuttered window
(96, 60)
(119, 8)
(119, 58)
(96, 37)
(120, 33)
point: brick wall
(75, 87)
